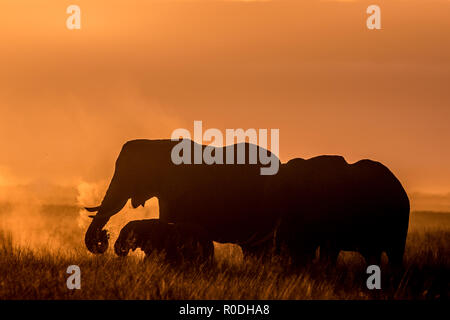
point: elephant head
(187, 192)
(138, 176)
(126, 241)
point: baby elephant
(180, 242)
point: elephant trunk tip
(96, 240)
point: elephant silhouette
(328, 203)
(320, 202)
(179, 242)
(226, 200)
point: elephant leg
(328, 254)
(250, 252)
(208, 252)
(395, 255)
(302, 256)
(372, 256)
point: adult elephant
(338, 206)
(229, 201)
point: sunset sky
(140, 69)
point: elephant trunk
(96, 239)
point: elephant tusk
(92, 209)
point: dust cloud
(37, 220)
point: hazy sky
(70, 99)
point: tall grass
(40, 273)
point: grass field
(36, 250)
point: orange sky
(70, 99)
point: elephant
(231, 202)
(320, 202)
(328, 203)
(180, 242)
